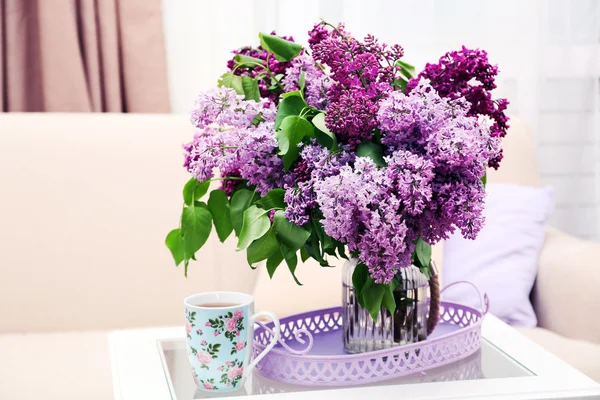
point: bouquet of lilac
(341, 149)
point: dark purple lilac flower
(468, 74)
(362, 73)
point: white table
(508, 366)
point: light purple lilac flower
(457, 145)
(223, 106)
(316, 82)
(437, 128)
(361, 208)
(258, 161)
(408, 177)
(300, 200)
(213, 147)
(316, 163)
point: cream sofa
(87, 200)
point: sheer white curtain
(548, 52)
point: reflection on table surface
(487, 363)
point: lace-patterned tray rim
(287, 335)
(299, 358)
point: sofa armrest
(566, 294)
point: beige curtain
(83, 55)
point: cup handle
(274, 340)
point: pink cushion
(503, 260)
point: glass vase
(408, 324)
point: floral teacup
(220, 329)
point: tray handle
(484, 302)
(298, 333)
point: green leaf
(248, 61)
(342, 250)
(284, 50)
(423, 252)
(257, 120)
(292, 105)
(291, 260)
(426, 271)
(407, 70)
(193, 190)
(256, 223)
(324, 136)
(218, 205)
(401, 84)
(484, 179)
(373, 297)
(302, 81)
(175, 243)
(304, 254)
(250, 87)
(292, 130)
(359, 277)
(330, 250)
(313, 248)
(262, 248)
(229, 80)
(273, 200)
(273, 262)
(240, 201)
(196, 224)
(388, 298)
(326, 240)
(276, 81)
(371, 150)
(291, 235)
(296, 93)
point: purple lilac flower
(322, 163)
(223, 106)
(300, 202)
(360, 80)
(361, 208)
(344, 200)
(229, 185)
(316, 82)
(383, 246)
(468, 74)
(455, 144)
(457, 202)
(409, 176)
(316, 163)
(437, 128)
(258, 161)
(212, 147)
(228, 141)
